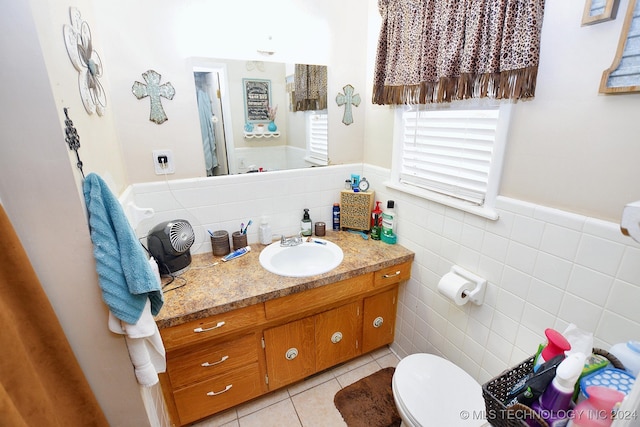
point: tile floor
(307, 403)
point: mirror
(260, 116)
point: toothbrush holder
(239, 240)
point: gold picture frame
(596, 11)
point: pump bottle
(554, 404)
(305, 223)
(264, 232)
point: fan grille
(181, 236)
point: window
(451, 154)
(317, 137)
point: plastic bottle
(554, 404)
(336, 216)
(629, 354)
(389, 219)
(305, 223)
(556, 344)
(596, 410)
(264, 232)
(376, 222)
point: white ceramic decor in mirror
(259, 116)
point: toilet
(432, 391)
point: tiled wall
(222, 203)
(545, 268)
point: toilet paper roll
(453, 287)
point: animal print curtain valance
(442, 50)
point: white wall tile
(599, 254)
(589, 284)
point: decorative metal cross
(347, 99)
(154, 91)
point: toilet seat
(430, 390)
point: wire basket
(495, 392)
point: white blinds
(449, 151)
(317, 136)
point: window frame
(488, 207)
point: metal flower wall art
(77, 38)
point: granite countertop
(206, 289)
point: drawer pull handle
(214, 393)
(336, 337)
(386, 276)
(378, 321)
(207, 364)
(291, 354)
(219, 325)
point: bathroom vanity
(235, 331)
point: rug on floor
(369, 401)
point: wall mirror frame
(231, 144)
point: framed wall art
(257, 100)
(596, 11)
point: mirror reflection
(260, 116)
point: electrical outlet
(163, 162)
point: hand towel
(126, 278)
(145, 346)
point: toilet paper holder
(476, 295)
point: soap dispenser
(264, 232)
(305, 223)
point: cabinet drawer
(393, 274)
(208, 360)
(318, 297)
(211, 327)
(217, 394)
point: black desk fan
(169, 244)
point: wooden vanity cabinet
(227, 359)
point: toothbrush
(245, 229)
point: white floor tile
(315, 406)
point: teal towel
(126, 277)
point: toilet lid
(434, 391)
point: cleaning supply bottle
(305, 223)
(597, 409)
(389, 219)
(629, 355)
(336, 216)
(264, 232)
(556, 344)
(554, 404)
(376, 222)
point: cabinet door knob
(215, 393)
(207, 364)
(219, 325)
(378, 321)
(336, 337)
(291, 354)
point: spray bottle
(556, 401)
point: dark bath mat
(369, 401)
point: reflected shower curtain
(206, 128)
(41, 383)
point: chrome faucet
(291, 241)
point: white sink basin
(306, 259)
